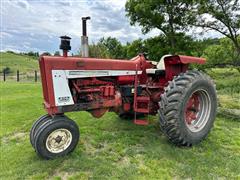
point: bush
(221, 54)
(6, 70)
(11, 52)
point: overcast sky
(35, 25)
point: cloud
(40, 23)
(5, 34)
(43, 23)
(64, 3)
(23, 4)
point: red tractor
(185, 100)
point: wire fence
(19, 76)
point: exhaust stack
(84, 38)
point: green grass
(111, 148)
(228, 86)
(25, 64)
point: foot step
(141, 122)
(142, 110)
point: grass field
(27, 65)
(111, 148)
(24, 63)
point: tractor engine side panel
(95, 91)
(75, 84)
(62, 93)
(61, 79)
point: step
(141, 110)
(141, 122)
(143, 99)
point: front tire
(57, 137)
(188, 108)
(37, 124)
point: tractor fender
(179, 59)
(177, 64)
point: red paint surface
(192, 108)
(103, 93)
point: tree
(221, 54)
(11, 52)
(198, 46)
(169, 16)
(134, 48)
(46, 54)
(114, 47)
(7, 70)
(158, 46)
(33, 54)
(98, 51)
(222, 16)
(57, 53)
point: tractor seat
(160, 70)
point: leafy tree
(157, 46)
(7, 70)
(169, 16)
(222, 16)
(114, 47)
(135, 47)
(46, 54)
(57, 53)
(221, 54)
(11, 52)
(34, 54)
(198, 46)
(98, 51)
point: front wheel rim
(197, 110)
(58, 140)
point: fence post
(35, 76)
(4, 75)
(18, 76)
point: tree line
(218, 52)
(175, 19)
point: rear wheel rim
(197, 110)
(58, 140)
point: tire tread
(170, 101)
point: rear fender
(174, 65)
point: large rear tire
(188, 108)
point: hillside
(15, 62)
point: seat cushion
(161, 64)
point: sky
(36, 25)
